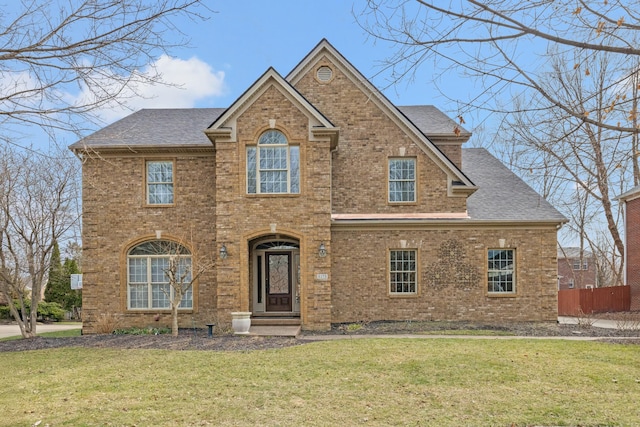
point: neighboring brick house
(576, 270)
(318, 200)
(631, 200)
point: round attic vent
(324, 74)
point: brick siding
(212, 208)
(452, 275)
(633, 251)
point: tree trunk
(174, 320)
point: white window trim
(148, 183)
(149, 284)
(514, 286)
(259, 171)
(414, 180)
(391, 272)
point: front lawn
(376, 382)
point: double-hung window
(273, 166)
(148, 283)
(501, 273)
(402, 180)
(160, 182)
(402, 272)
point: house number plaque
(322, 276)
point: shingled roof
(502, 195)
(149, 128)
(432, 122)
(156, 128)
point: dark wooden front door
(278, 281)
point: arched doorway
(276, 276)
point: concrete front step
(275, 321)
(275, 331)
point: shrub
(4, 312)
(107, 323)
(46, 310)
(50, 311)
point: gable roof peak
(225, 125)
(392, 111)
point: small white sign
(322, 276)
(76, 281)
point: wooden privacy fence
(574, 302)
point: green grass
(470, 332)
(57, 334)
(374, 382)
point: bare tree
(504, 44)
(181, 271)
(50, 49)
(563, 77)
(590, 164)
(37, 208)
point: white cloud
(185, 83)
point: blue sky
(243, 38)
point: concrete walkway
(598, 323)
(13, 330)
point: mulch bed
(188, 340)
(197, 339)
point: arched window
(273, 166)
(148, 285)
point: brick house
(576, 270)
(317, 199)
(631, 200)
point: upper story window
(577, 265)
(160, 182)
(148, 283)
(501, 271)
(402, 180)
(273, 166)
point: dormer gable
(224, 128)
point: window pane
(160, 182)
(402, 267)
(272, 137)
(401, 180)
(158, 268)
(138, 270)
(500, 270)
(153, 290)
(160, 194)
(159, 247)
(251, 170)
(160, 296)
(138, 296)
(273, 158)
(184, 270)
(273, 182)
(294, 157)
(160, 172)
(187, 299)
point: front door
(278, 281)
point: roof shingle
(502, 195)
